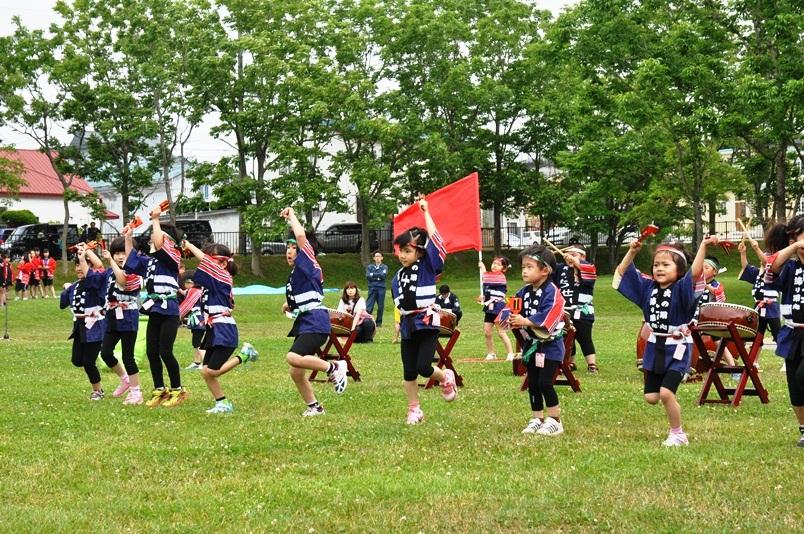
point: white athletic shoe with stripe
(339, 376)
(550, 427)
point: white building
(43, 192)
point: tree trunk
(697, 206)
(365, 238)
(712, 217)
(256, 268)
(497, 215)
(781, 187)
(164, 155)
(65, 229)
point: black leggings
(775, 324)
(159, 338)
(86, 354)
(540, 385)
(417, 354)
(794, 368)
(127, 341)
(583, 336)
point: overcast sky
(39, 14)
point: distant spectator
(92, 232)
(376, 274)
(82, 237)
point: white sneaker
(551, 427)
(193, 367)
(510, 357)
(312, 411)
(338, 376)
(491, 356)
(676, 440)
(224, 406)
(533, 426)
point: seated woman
(351, 302)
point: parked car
(269, 248)
(530, 237)
(4, 233)
(344, 237)
(196, 231)
(41, 236)
(560, 235)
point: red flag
(456, 212)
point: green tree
(33, 103)
(110, 115)
(11, 179)
(767, 88)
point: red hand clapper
(648, 231)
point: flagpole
(480, 275)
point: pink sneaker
(415, 415)
(122, 388)
(134, 397)
(448, 388)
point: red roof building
(39, 176)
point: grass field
(71, 465)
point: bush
(18, 217)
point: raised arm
(119, 274)
(129, 240)
(697, 263)
(428, 219)
(197, 252)
(80, 253)
(298, 230)
(94, 259)
(758, 251)
(743, 254)
(482, 267)
(785, 254)
(157, 235)
(628, 259)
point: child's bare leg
(298, 367)
(506, 340)
(487, 332)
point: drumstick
(745, 230)
(555, 248)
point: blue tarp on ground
(268, 290)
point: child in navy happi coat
(215, 271)
(160, 270)
(86, 298)
(788, 268)
(766, 299)
(668, 304)
(540, 324)
(576, 280)
(495, 287)
(192, 303)
(421, 253)
(122, 317)
(304, 298)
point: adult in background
(376, 274)
(92, 232)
